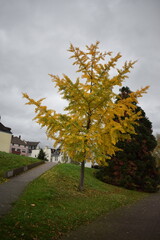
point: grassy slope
(9, 161)
(51, 204)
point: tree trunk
(81, 183)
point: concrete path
(140, 221)
(11, 190)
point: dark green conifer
(42, 155)
(134, 167)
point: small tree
(88, 130)
(42, 155)
(134, 167)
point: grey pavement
(11, 190)
(139, 221)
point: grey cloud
(35, 36)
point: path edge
(17, 171)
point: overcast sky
(35, 36)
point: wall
(5, 141)
(47, 151)
(34, 153)
(19, 149)
(88, 164)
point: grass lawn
(9, 161)
(52, 206)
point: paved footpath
(139, 221)
(11, 190)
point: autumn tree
(87, 132)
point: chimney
(19, 136)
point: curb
(16, 171)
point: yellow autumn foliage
(94, 121)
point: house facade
(5, 138)
(31, 146)
(18, 146)
(22, 147)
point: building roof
(17, 140)
(55, 152)
(32, 143)
(5, 129)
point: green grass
(9, 161)
(51, 205)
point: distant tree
(42, 155)
(88, 130)
(134, 167)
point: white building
(55, 155)
(52, 155)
